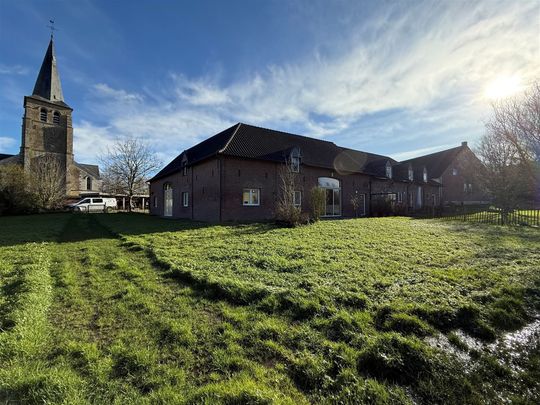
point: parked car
(94, 204)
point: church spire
(48, 81)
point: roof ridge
(230, 139)
(289, 133)
(431, 154)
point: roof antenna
(51, 26)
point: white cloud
(13, 70)
(420, 152)
(6, 142)
(105, 91)
(431, 61)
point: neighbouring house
(47, 132)
(235, 176)
(456, 169)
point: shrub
(317, 199)
(15, 191)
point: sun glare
(503, 86)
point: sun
(503, 86)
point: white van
(94, 204)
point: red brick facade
(216, 186)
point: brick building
(47, 132)
(457, 171)
(235, 176)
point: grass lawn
(124, 308)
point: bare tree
(517, 119)
(48, 180)
(504, 176)
(510, 150)
(127, 166)
(286, 210)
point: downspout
(220, 169)
(370, 196)
(192, 194)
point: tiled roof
(92, 170)
(10, 159)
(436, 163)
(4, 156)
(203, 150)
(251, 142)
(48, 81)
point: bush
(317, 199)
(15, 191)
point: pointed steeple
(48, 82)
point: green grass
(129, 308)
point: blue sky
(400, 78)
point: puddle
(509, 347)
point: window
(56, 118)
(295, 164)
(411, 173)
(168, 200)
(43, 115)
(185, 199)
(400, 197)
(184, 170)
(454, 172)
(388, 170)
(424, 175)
(155, 201)
(89, 183)
(97, 200)
(297, 198)
(467, 187)
(332, 191)
(250, 196)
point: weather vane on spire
(51, 26)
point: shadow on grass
(67, 227)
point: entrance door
(333, 196)
(167, 200)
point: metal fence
(485, 215)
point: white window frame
(185, 199)
(454, 172)
(252, 192)
(424, 175)
(411, 174)
(389, 170)
(297, 202)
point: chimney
(463, 144)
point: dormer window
(424, 175)
(56, 118)
(89, 183)
(43, 115)
(295, 160)
(411, 174)
(388, 170)
(184, 166)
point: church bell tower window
(43, 115)
(56, 118)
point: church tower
(47, 127)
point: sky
(398, 78)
